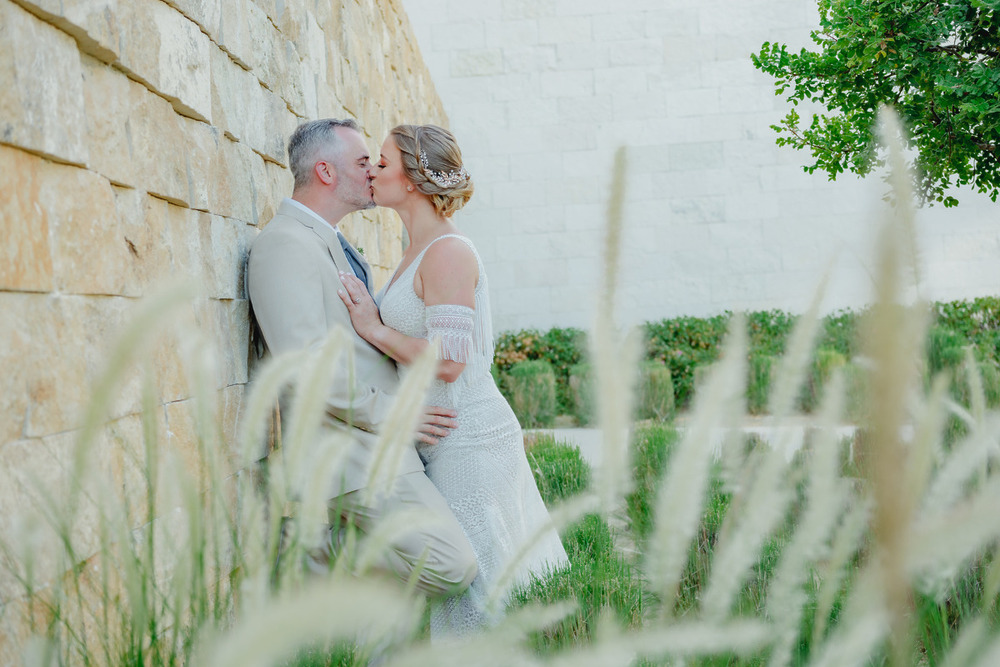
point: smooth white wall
(540, 93)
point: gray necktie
(352, 259)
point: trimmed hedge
(531, 387)
(685, 344)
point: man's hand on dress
(435, 423)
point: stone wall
(540, 93)
(142, 140)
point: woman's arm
(447, 275)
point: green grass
(559, 470)
(599, 578)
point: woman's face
(389, 183)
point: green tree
(936, 61)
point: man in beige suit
(292, 282)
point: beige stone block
(205, 13)
(274, 9)
(50, 492)
(158, 142)
(178, 353)
(327, 15)
(15, 628)
(268, 124)
(167, 52)
(26, 255)
(208, 340)
(42, 114)
(334, 55)
(43, 380)
(141, 241)
(226, 323)
(279, 185)
(201, 432)
(161, 465)
(107, 95)
(234, 95)
(91, 250)
(292, 22)
(248, 182)
(211, 249)
(122, 442)
(152, 41)
(201, 145)
(349, 88)
(229, 252)
(309, 77)
(56, 349)
(142, 449)
(27, 474)
(353, 28)
(257, 166)
(196, 246)
(313, 45)
(169, 359)
(142, 225)
(231, 403)
(234, 34)
(246, 33)
(286, 71)
(328, 104)
(230, 186)
(92, 23)
(173, 155)
(279, 123)
(180, 435)
(16, 356)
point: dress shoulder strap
(467, 241)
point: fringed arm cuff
(452, 325)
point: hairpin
(440, 178)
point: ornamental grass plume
(894, 339)
(615, 357)
(680, 500)
(821, 558)
(825, 496)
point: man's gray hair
(312, 141)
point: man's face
(353, 175)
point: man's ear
(326, 173)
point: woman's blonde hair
(432, 161)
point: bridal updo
(432, 161)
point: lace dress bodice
(464, 334)
(480, 467)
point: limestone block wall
(143, 140)
(541, 92)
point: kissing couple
(467, 467)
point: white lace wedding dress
(480, 468)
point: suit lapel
(327, 233)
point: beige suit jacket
(292, 282)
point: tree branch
(955, 50)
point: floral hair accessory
(440, 178)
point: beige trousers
(435, 552)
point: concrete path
(790, 435)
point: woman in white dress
(439, 291)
